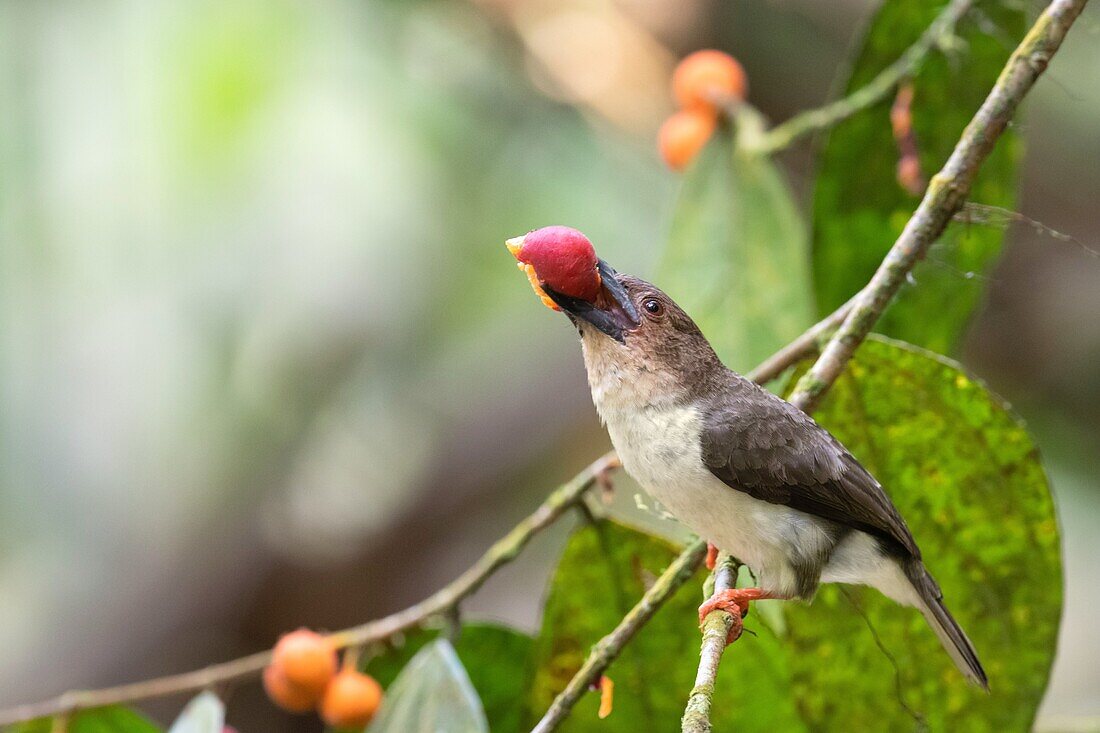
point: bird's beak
(612, 312)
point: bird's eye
(653, 306)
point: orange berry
(683, 135)
(285, 695)
(705, 75)
(306, 659)
(351, 700)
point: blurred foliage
(859, 209)
(100, 720)
(966, 476)
(736, 258)
(432, 693)
(605, 569)
(495, 657)
(227, 75)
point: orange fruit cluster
(304, 675)
(702, 84)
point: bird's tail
(951, 635)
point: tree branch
(443, 601)
(608, 648)
(716, 629)
(946, 194)
(808, 343)
(806, 123)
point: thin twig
(997, 216)
(442, 602)
(803, 346)
(716, 629)
(806, 123)
(946, 193)
(608, 648)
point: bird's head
(627, 325)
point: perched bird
(741, 467)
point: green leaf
(966, 476)
(495, 657)
(387, 666)
(603, 572)
(737, 257)
(432, 694)
(111, 719)
(204, 714)
(859, 209)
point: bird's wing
(760, 444)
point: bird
(741, 467)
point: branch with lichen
(806, 123)
(442, 603)
(608, 648)
(716, 629)
(945, 196)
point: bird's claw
(727, 601)
(735, 602)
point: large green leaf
(737, 258)
(966, 477)
(99, 720)
(859, 209)
(495, 657)
(603, 572)
(497, 660)
(433, 694)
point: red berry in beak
(562, 259)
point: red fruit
(351, 700)
(562, 258)
(708, 76)
(683, 135)
(285, 695)
(306, 660)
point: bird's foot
(712, 555)
(734, 601)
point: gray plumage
(766, 447)
(771, 450)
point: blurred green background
(264, 361)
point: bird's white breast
(660, 448)
(657, 437)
